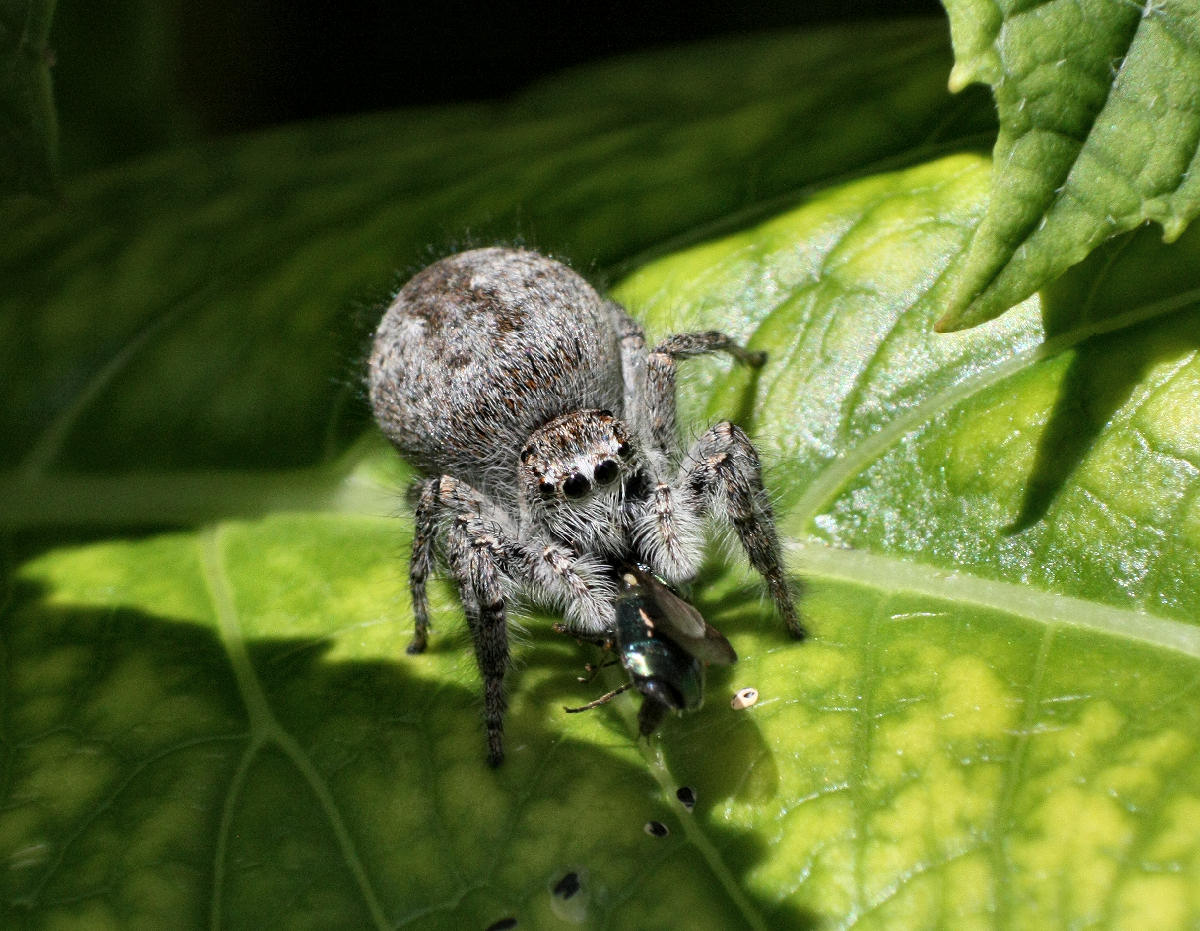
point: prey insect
(543, 428)
(664, 645)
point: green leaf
(134, 329)
(28, 128)
(996, 721)
(1099, 133)
(208, 715)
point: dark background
(133, 75)
(309, 59)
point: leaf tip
(960, 317)
(952, 317)
(1173, 228)
(960, 77)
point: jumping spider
(546, 434)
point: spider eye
(576, 486)
(624, 450)
(606, 472)
(546, 490)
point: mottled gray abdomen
(480, 349)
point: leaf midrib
(1053, 609)
(813, 558)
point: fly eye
(576, 486)
(546, 490)
(624, 450)
(606, 472)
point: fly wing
(681, 622)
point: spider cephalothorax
(572, 476)
(546, 433)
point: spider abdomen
(480, 349)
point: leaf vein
(1040, 605)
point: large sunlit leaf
(1000, 534)
(216, 724)
(1099, 105)
(28, 127)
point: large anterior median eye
(606, 471)
(576, 486)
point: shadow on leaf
(1105, 369)
(164, 771)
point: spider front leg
(488, 561)
(723, 473)
(579, 587)
(669, 533)
(480, 556)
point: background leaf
(208, 717)
(134, 329)
(1100, 132)
(28, 128)
(119, 83)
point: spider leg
(424, 496)
(602, 700)
(488, 561)
(720, 475)
(480, 556)
(580, 587)
(667, 531)
(633, 360)
(723, 473)
(660, 376)
(477, 558)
